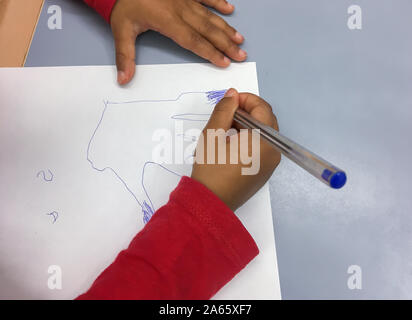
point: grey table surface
(345, 94)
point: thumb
(125, 43)
(222, 116)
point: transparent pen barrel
(314, 164)
(318, 167)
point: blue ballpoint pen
(318, 167)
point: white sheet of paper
(75, 172)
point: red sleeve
(189, 249)
(104, 7)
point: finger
(184, 35)
(258, 109)
(220, 5)
(222, 116)
(233, 34)
(125, 43)
(218, 38)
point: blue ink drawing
(191, 117)
(215, 96)
(43, 175)
(148, 210)
(53, 214)
(146, 205)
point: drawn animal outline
(146, 205)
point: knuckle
(209, 14)
(209, 27)
(230, 29)
(226, 46)
(219, 21)
(230, 46)
(120, 55)
(226, 107)
(222, 109)
(268, 109)
(217, 55)
(195, 39)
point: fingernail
(121, 77)
(239, 37)
(231, 6)
(230, 93)
(242, 53)
(226, 60)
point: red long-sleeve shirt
(190, 248)
(104, 7)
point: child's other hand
(226, 180)
(187, 22)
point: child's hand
(226, 180)
(187, 22)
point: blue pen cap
(338, 180)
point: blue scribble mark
(147, 212)
(142, 182)
(43, 174)
(54, 214)
(148, 208)
(215, 96)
